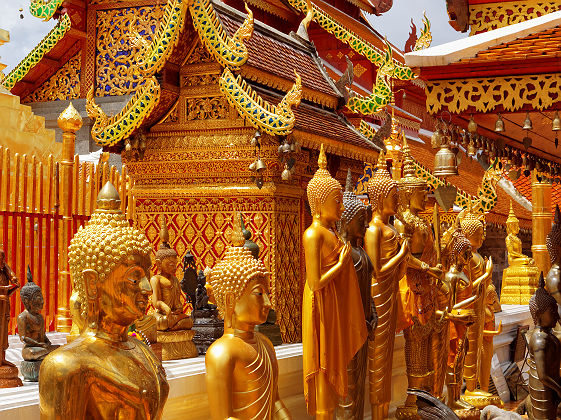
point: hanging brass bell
(527, 122)
(260, 165)
(499, 125)
(252, 166)
(445, 162)
(556, 123)
(472, 125)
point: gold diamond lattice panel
(115, 74)
(485, 94)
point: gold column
(541, 222)
(69, 122)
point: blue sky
(26, 33)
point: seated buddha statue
(241, 366)
(104, 373)
(173, 325)
(31, 330)
(520, 278)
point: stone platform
(188, 399)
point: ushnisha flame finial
(511, 216)
(382, 161)
(322, 159)
(349, 181)
(108, 199)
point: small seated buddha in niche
(333, 322)
(104, 373)
(172, 324)
(241, 366)
(520, 278)
(31, 330)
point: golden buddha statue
(388, 256)
(417, 289)
(460, 299)
(520, 278)
(333, 322)
(473, 228)
(173, 325)
(352, 229)
(241, 366)
(104, 373)
(487, 349)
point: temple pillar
(541, 222)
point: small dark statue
(207, 324)
(31, 330)
(201, 298)
(189, 281)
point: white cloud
(25, 33)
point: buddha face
(389, 203)
(168, 265)
(418, 199)
(356, 228)
(35, 303)
(477, 238)
(548, 318)
(253, 305)
(123, 296)
(332, 208)
(513, 228)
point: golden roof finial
(237, 237)
(108, 198)
(322, 159)
(69, 120)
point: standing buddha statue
(520, 278)
(461, 315)
(333, 323)
(417, 288)
(173, 325)
(487, 349)
(352, 228)
(241, 366)
(473, 228)
(544, 358)
(104, 373)
(388, 258)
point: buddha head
(461, 249)
(2, 259)
(412, 190)
(31, 295)
(382, 189)
(543, 307)
(353, 219)
(553, 240)
(240, 285)
(473, 227)
(166, 257)
(109, 263)
(512, 225)
(324, 193)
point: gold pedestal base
(519, 284)
(481, 399)
(9, 377)
(468, 413)
(406, 412)
(177, 344)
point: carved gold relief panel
(114, 73)
(63, 85)
(489, 16)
